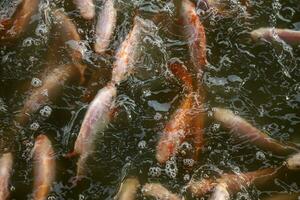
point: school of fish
(186, 123)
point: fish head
(293, 162)
(259, 34)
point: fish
(128, 189)
(14, 27)
(86, 8)
(68, 35)
(6, 164)
(105, 27)
(284, 196)
(128, 52)
(220, 192)
(232, 183)
(194, 31)
(184, 121)
(44, 167)
(158, 191)
(293, 162)
(289, 36)
(96, 119)
(240, 128)
(53, 81)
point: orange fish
(128, 189)
(14, 27)
(194, 31)
(158, 191)
(86, 8)
(44, 167)
(6, 163)
(69, 36)
(53, 82)
(95, 121)
(128, 52)
(184, 122)
(275, 34)
(244, 130)
(106, 24)
(229, 184)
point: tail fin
(180, 71)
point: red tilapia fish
(128, 189)
(69, 36)
(105, 27)
(230, 184)
(274, 34)
(52, 82)
(128, 51)
(95, 121)
(44, 167)
(195, 34)
(86, 8)
(157, 191)
(185, 121)
(244, 130)
(14, 27)
(284, 196)
(6, 163)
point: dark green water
(258, 81)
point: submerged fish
(69, 36)
(128, 189)
(244, 130)
(44, 167)
(232, 183)
(287, 35)
(284, 196)
(53, 82)
(195, 34)
(158, 191)
(86, 8)
(220, 192)
(184, 122)
(96, 119)
(14, 27)
(105, 27)
(6, 163)
(128, 52)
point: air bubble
(185, 147)
(51, 197)
(215, 127)
(260, 155)
(154, 171)
(34, 126)
(142, 144)
(46, 111)
(81, 197)
(171, 169)
(157, 116)
(189, 162)
(186, 177)
(35, 82)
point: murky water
(259, 81)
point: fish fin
(180, 71)
(71, 154)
